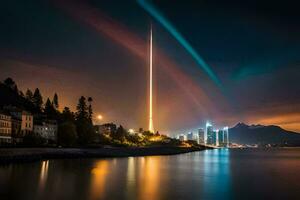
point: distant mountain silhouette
(260, 134)
(9, 97)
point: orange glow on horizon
(290, 121)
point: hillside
(259, 134)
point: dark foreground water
(211, 174)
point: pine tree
(84, 126)
(37, 99)
(9, 82)
(48, 107)
(82, 109)
(90, 110)
(55, 101)
(29, 95)
(21, 93)
(67, 115)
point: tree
(90, 110)
(84, 126)
(9, 82)
(85, 131)
(119, 134)
(38, 99)
(66, 134)
(67, 115)
(49, 110)
(29, 95)
(21, 94)
(55, 101)
(82, 109)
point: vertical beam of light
(172, 30)
(151, 128)
(117, 32)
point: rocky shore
(9, 155)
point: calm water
(211, 174)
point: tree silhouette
(9, 82)
(67, 115)
(90, 110)
(82, 109)
(119, 134)
(29, 95)
(84, 126)
(49, 110)
(55, 101)
(66, 135)
(38, 99)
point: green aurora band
(148, 7)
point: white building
(47, 130)
(5, 128)
(226, 136)
(191, 136)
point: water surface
(210, 174)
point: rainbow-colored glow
(105, 26)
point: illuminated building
(46, 129)
(201, 133)
(190, 136)
(226, 136)
(209, 133)
(26, 121)
(5, 128)
(182, 138)
(216, 137)
(220, 138)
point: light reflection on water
(216, 173)
(211, 174)
(98, 178)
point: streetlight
(99, 117)
(131, 131)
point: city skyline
(105, 55)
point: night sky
(100, 49)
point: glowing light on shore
(131, 131)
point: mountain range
(260, 134)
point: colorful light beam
(120, 34)
(151, 128)
(172, 30)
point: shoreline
(21, 155)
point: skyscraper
(216, 138)
(209, 134)
(221, 137)
(151, 128)
(201, 134)
(226, 136)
